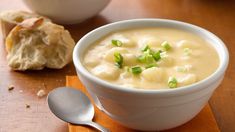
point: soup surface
(151, 58)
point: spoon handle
(97, 126)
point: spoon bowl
(72, 106)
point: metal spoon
(73, 106)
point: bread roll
(9, 19)
(36, 43)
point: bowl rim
(202, 84)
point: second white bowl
(67, 11)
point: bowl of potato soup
(150, 74)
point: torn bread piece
(9, 19)
(36, 43)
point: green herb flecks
(136, 70)
(187, 51)
(172, 82)
(145, 48)
(149, 56)
(118, 59)
(146, 57)
(157, 55)
(166, 46)
(117, 43)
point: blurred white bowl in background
(67, 11)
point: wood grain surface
(218, 16)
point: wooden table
(218, 16)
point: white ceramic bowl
(150, 109)
(67, 11)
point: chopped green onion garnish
(157, 55)
(187, 51)
(151, 65)
(149, 55)
(136, 70)
(166, 45)
(146, 58)
(117, 43)
(172, 82)
(118, 59)
(141, 58)
(145, 48)
(149, 58)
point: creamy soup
(151, 58)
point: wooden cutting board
(203, 122)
